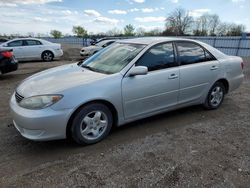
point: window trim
(192, 42)
(176, 64)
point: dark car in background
(2, 40)
(8, 63)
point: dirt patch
(190, 147)
(71, 52)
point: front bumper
(40, 125)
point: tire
(215, 96)
(91, 124)
(47, 56)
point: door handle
(173, 76)
(214, 67)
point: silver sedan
(127, 81)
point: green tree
(129, 30)
(80, 31)
(56, 34)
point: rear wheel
(91, 124)
(47, 56)
(215, 96)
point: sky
(41, 16)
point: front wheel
(215, 96)
(91, 124)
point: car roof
(154, 40)
(24, 39)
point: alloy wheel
(216, 96)
(94, 125)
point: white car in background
(33, 49)
(90, 50)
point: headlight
(39, 102)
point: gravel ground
(190, 147)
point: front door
(157, 90)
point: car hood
(56, 80)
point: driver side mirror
(138, 70)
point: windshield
(114, 58)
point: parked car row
(28, 49)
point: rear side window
(190, 53)
(209, 57)
(158, 57)
(15, 43)
(32, 42)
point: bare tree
(230, 29)
(114, 32)
(236, 29)
(206, 24)
(154, 32)
(179, 22)
(214, 22)
(140, 31)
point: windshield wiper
(94, 70)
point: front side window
(114, 58)
(158, 57)
(190, 53)
(15, 43)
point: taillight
(242, 65)
(7, 54)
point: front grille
(19, 98)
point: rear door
(157, 90)
(198, 70)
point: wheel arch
(225, 83)
(105, 102)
